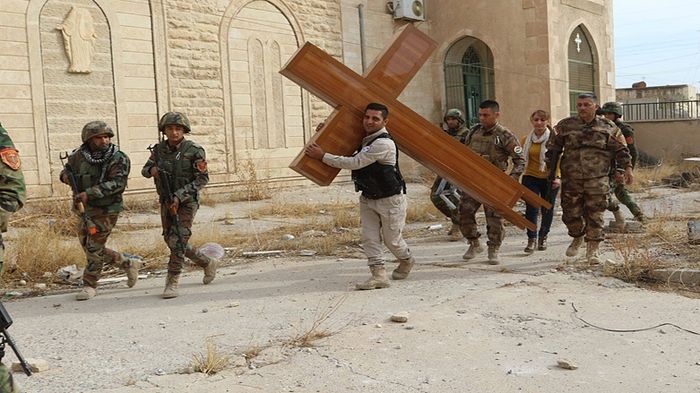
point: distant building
(650, 94)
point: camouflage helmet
(456, 114)
(174, 118)
(612, 107)
(95, 128)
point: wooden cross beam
(342, 133)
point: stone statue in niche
(79, 37)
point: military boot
(405, 266)
(132, 266)
(619, 219)
(530, 248)
(638, 215)
(455, 234)
(171, 284)
(592, 253)
(86, 293)
(542, 243)
(210, 271)
(572, 250)
(493, 255)
(474, 249)
(378, 279)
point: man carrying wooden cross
(375, 172)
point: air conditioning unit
(409, 9)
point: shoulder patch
(201, 166)
(365, 149)
(518, 150)
(10, 157)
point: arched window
(581, 66)
(468, 76)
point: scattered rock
(233, 304)
(159, 371)
(434, 227)
(22, 282)
(307, 253)
(36, 365)
(47, 275)
(566, 364)
(379, 325)
(400, 317)
(287, 237)
(205, 310)
(40, 285)
(461, 311)
(409, 327)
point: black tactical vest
(377, 180)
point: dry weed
(637, 259)
(422, 211)
(255, 189)
(141, 204)
(42, 248)
(210, 362)
(309, 336)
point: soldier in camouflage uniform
(613, 112)
(7, 383)
(456, 128)
(184, 165)
(100, 171)
(495, 144)
(13, 192)
(589, 150)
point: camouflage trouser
(7, 384)
(583, 203)
(623, 196)
(178, 236)
(467, 218)
(94, 246)
(442, 206)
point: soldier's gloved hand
(154, 171)
(174, 205)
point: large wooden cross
(342, 133)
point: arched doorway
(469, 76)
(582, 65)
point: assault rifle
(447, 192)
(164, 185)
(90, 228)
(5, 322)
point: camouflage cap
(95, 128)
(612, 107)
(456, 114)
(171, 118)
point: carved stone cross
(578, 42)
(342, 133)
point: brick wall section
(15, 89)
(195, 72)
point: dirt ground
(471, 327)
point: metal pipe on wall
(361, 15)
